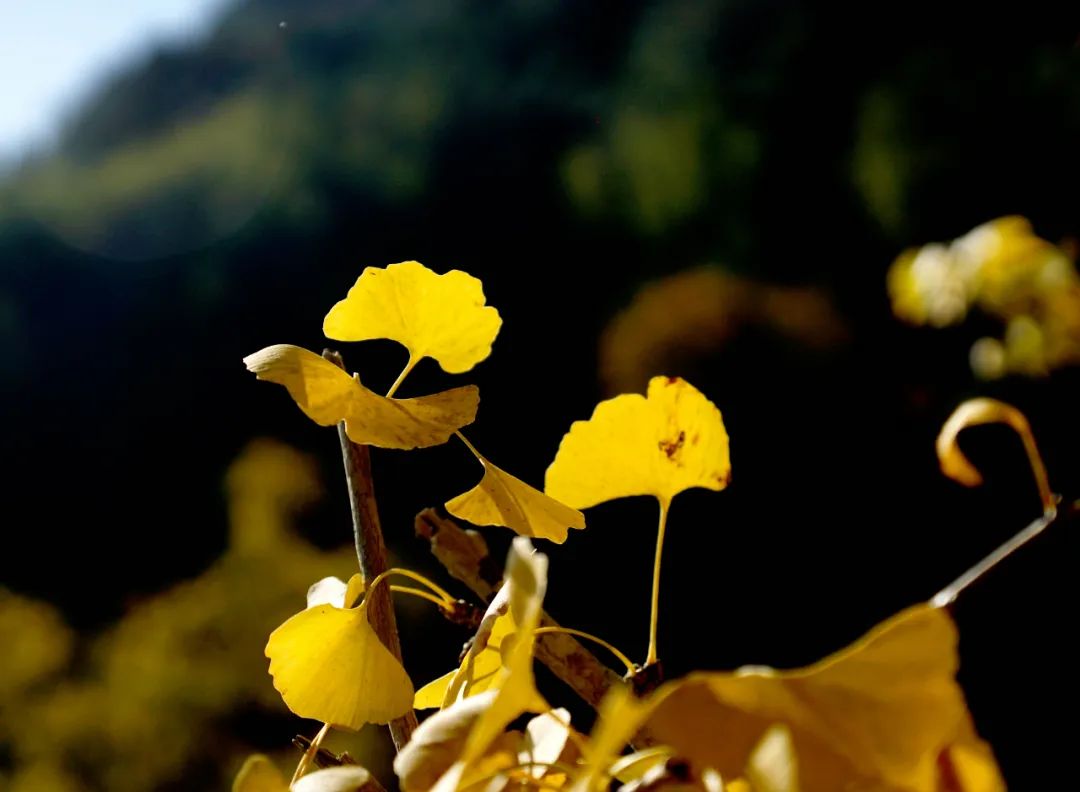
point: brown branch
(371, 551)
(464, 553)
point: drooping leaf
(328, 395)
(329, 665)
(503, 499)
(438, 316)
(660, 444)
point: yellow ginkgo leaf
(329, 665)
(438, 316)
(660, 444)
(503, 499)
(259, 774)
(880, 713)
(328, 395)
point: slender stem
(949, 594)
(622, 658)
(442, 593)
(371, 552)
(418, 593)
(469, 445)
(401, 377)
(655, 615)
(309, 754)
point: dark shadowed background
(217, 196)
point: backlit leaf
(660, 444)
(503, 499)
(438, 316)
(328, 395)
(329, 666)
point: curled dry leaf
(328, 395)
(503, 499)
(974, 412)
(438, 316)
(660, 444)
(329, 665)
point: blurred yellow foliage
(697, 311)
(142, 701)
(1008, 273)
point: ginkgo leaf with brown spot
(438, 316)
(503, 499)
(329, 665)
(660, 444)
(328, 395)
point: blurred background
(716, 189)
